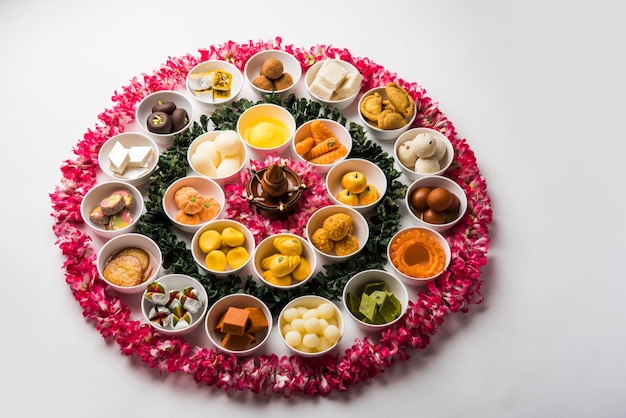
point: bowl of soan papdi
(272, 72)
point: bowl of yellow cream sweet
(266, 129)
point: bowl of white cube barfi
(130, 157)
(333, 82)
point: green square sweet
(388, 309)
(368, 306)
(379, 296)
(373, 286)
(353, 302)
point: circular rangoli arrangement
(455, 291)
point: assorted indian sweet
(211, 85)
(423, 154)
(194, 207)
(375, 304)
(435, 205)
(288, 264)
(114, 211)
(335, 237)
(356, 190)
(311, 330)
(219, 157)
(223, 250)
(172, 308)
(128, 267)
(240, 327)
(272, 76)
(333, 82)
(391, 112)
(275, 190)
(417, 254)
(166, 118)
(129, 162)
(321, 145)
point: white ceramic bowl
(206, 187)
(144, 110)
(263, 121)
(266, 248)
(432, 182)
(375, 131)
(137, 146)
(240, 301)
(207, 96)
(339, 131)
(219, 225)
(220, 164)
(417, 255)
(291, 66)
(374, 177)
(338, 97)
(308, 306)
(123, 243)
(355, 287)
(100, 191)
(177, 282)
(360, 231)
(409, 135)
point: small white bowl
(409, 135)
(453, 217)
(373, 175)
(253, 122)
(339, 131)
(308, 307)
(205, 186)
(266, 248)
(219, 225)
(144, 110)
(177, 282)
(203, 163)
(291, 66)
(140, 172)
(241, 301)
(360, 230)
(333, 101)
(416, 253)
(376, 132)
(100, 191)
(125, 242)
(355, 286)
(207, 96)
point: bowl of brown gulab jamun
(435, 202)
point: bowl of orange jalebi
(418, 255)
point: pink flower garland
(455, 291)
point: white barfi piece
(119, 158)
(201, 81)
(350, 86)
(331, 74)
(139, 156)
(320, 90)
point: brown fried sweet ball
(283, 82)
(272, 68)
(263, 83)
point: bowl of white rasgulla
(219, 155)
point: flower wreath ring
(455, 291)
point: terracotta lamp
(275, 191)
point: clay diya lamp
(275, 191)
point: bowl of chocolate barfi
(164, 114)
(238, 324)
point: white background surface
(537, 89)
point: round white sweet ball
(229, 165)
(228, 143)
(425, 145)
(427, 165)
(209, 149)
(203, 164)
(441, 150)
(406, 154)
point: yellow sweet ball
(210, 240)
(216, 260)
